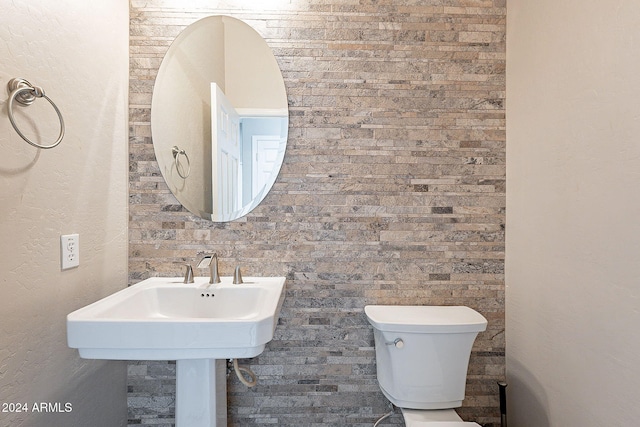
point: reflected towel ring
(25, 93)
(176, 152)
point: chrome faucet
(211, 261)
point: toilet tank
(422, 352)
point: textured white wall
(573, 212)
(77, 51)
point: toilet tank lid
(425, 318)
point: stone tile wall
(392, 192)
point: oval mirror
(219, 118)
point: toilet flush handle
(398, 343)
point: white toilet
(422, 355)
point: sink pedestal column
(201, 393)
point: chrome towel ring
(25, 93)
(177, 152)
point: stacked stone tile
(392, 192)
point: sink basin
(165, 319)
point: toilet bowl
(434, 418)
(422, 357)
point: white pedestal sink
(198, 325)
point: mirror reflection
(219, 118)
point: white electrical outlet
(70, 251)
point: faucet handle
(237, 276)
(188, 274)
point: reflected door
(225, 131)
(266, 152)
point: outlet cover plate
(69, 251)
